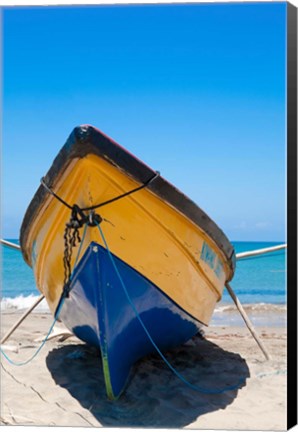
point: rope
(71, 237)
(269, 374)
(23, 363)
(77, 219)
(94, 221)
(57, 313)
(190, 385)
(96, 206)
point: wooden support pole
(10, 244)
(16, 325)
(239, 306)
(229, 288)
(40, 298)
(241, 255)
(247, 321)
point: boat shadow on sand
(154, 397)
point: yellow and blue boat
(128, 262)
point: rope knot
(72, 238)
(94, 219)
(78, 217)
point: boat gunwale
(86, 140)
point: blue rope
(61, 302)
(190, 385)
(23, 363)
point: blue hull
(99, 313)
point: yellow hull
(142, 229)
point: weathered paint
(212, 259)
(173, 257)
(141, 229)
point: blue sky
(198, 92)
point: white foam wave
(23, 302)
(254, 307)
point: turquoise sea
(259, 282)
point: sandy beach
(63, 385)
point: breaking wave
(23, 302)
(254, 307)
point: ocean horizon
(259, 282)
